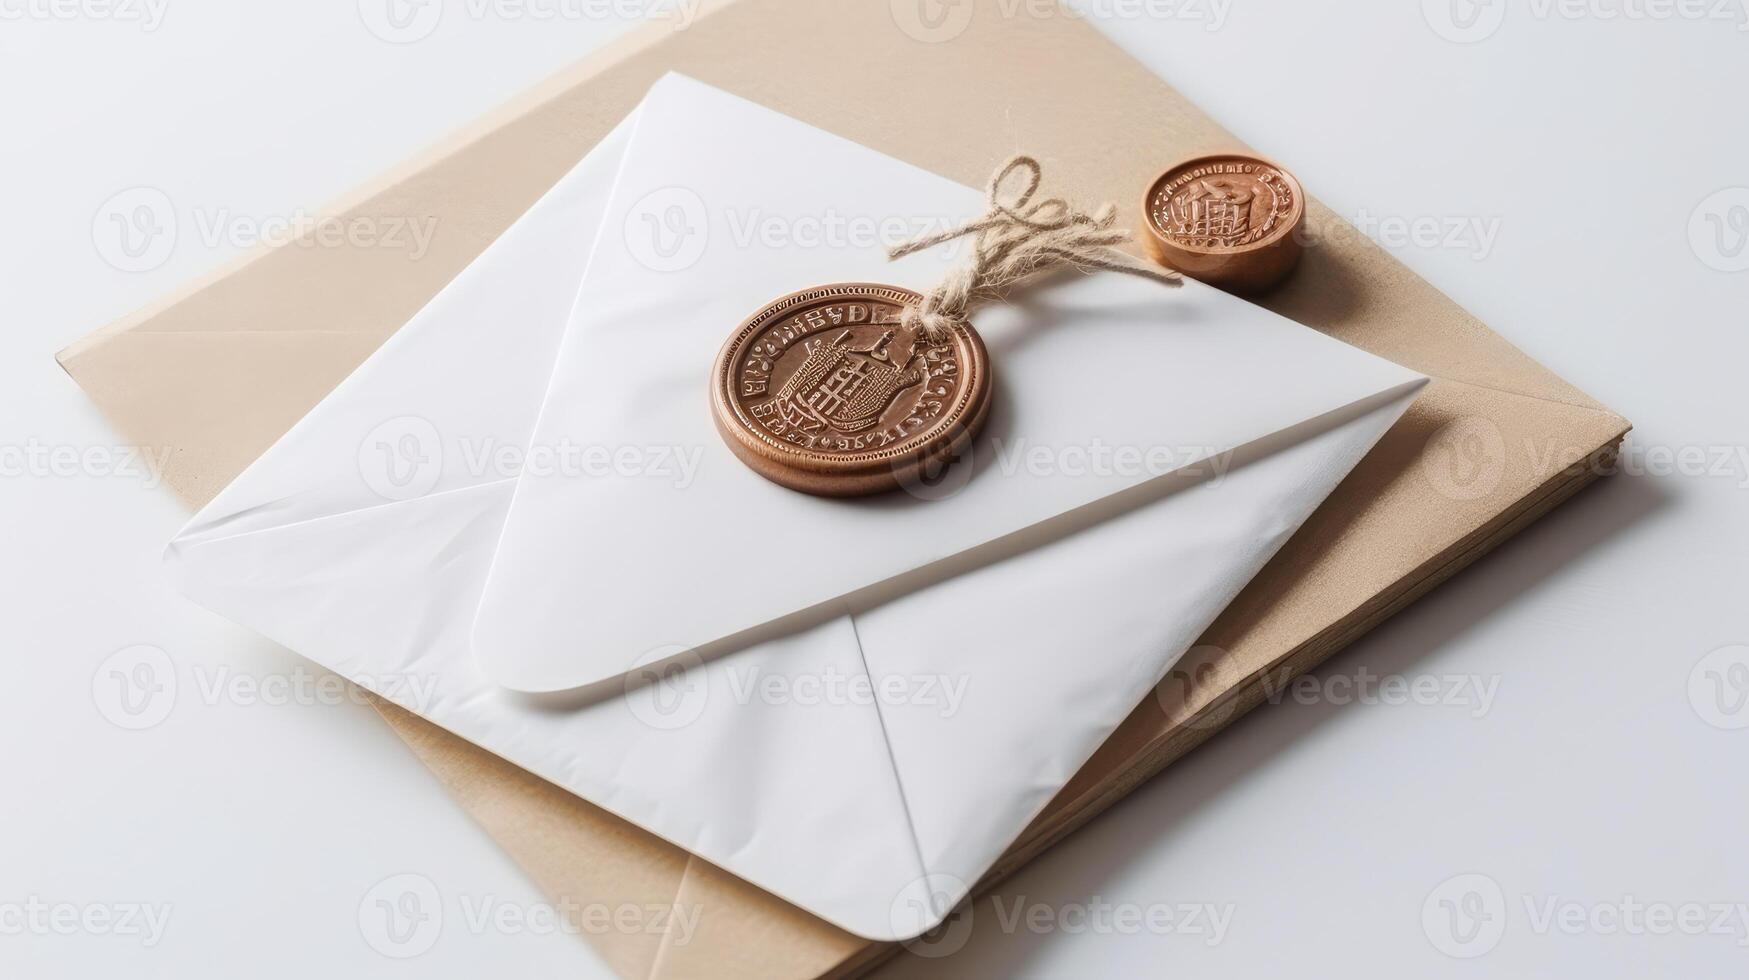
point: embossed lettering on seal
(1232, 221)
(827, 392)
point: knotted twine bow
(1015, 240)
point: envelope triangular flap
(420, 416)
(383, 592)
(593, 573)
(798, 796)
(1092, 623)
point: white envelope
(720, 207)
(867, 767)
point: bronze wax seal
(826, 391)
(858, 388)
(1230, 220)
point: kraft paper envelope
(875, 814)
(219, 371)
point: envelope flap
(382, 588)
(1091, 623)
(1104, 384)
(420, 418)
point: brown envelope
(219, 371)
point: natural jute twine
(1015, 240)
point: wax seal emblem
(858, 388)
(828, 392)
(1231, 221)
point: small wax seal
(1231, 221)
(828, 392)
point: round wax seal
(826, 392)
(1231, 221)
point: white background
(1608, 770)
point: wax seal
(828, 392)
(1232, 221)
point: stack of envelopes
(386, 535)
(1053, 591)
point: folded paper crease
(876, 813)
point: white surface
(856, 805)
(1602, 770)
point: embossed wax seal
(1230, 220)
(826, 392)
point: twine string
(1015, 240)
